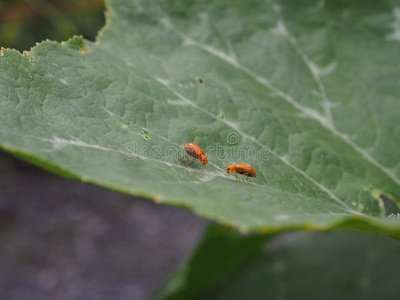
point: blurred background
(25, 22)
(63, 239)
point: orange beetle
(242, 169)
(193, 150)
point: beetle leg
(184, 155)
(189, 161)
(236, 176)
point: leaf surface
(307, 93)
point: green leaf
(335, 265)
(221, 251)
(306, 92)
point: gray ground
(63, 239)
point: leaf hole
(144, 134)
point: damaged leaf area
(306, 92)
(78, 43)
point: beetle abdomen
(243, 172)
(191, 153)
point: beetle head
(204, 159)
(228, 170)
